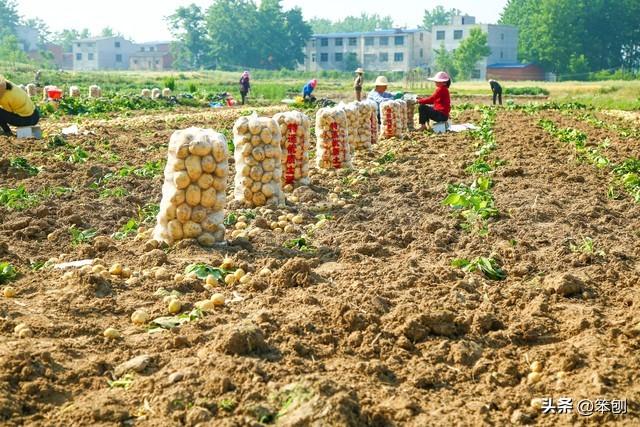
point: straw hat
(440, 77)
(359, 71)
(382, 81)
(3, 86)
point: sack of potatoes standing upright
(295, 145)
(332, 143)
(194, 189)
(258, 157)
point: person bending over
(497, 91)
(307, 90)
(438, 106)
(16, 108)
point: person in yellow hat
(16, 108)
(357, 84)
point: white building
(502, 40)
(102, 53)
(383, 50)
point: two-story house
(102, 53)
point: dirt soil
(372, 326)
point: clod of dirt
(197, 415)
(155, 258)
(440, 323)
(137, 364)
(565, 284)
(295, 272)
(103, 244)
(242, 340)
(98, 285)
(465, 352)
(261, 222)
(4, 249)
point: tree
(351, 62)
(438, 16)
(10, 50)
(443, 61)
(66, 37)
(552, 32)
(471, 50)
(364, 22)
(44, 35)
(188, 26)
(8, 17)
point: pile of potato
(332, 148)
(146, 93)
(194, 189)
(74, 92)
(258, 157)
(95, 91)
(295, 144)
(31, 90)
(155, 93)
(359, 123)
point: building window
(501, 54)
(439, 35)
(398, 57)
(313, 57)
(384, 57)
(368, 41)
(117, 44)
(313, 42)
(399, 40)
(135, 61)
(151, 49)
(475, 74)
(90, 57)
(421, 36)
(157, 62)
(324, 42)
(502, 36)
(338, 57)
(421, 53)
(339, 42)
(118, 57)
(370, 57)
(353, 41)
(384, 41)
(142, 49)
(77, 44)
(457, 34)
(78, 57)
(324, 57)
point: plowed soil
(371, 326)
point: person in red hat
(438, 106)
(307, 90)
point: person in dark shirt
(245, 86)
(497, 91)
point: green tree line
(234, 33)
(575, 37)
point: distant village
(381, 50)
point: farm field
(450, 279)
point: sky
(143, 20)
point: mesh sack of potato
(411, 108)
(194, 189)
(31, 90)
(155, 93)
(95, 91)
(146, 93)
(332, 144)
(401, 111)
(389, 119)
(295, 145)
(359, 132)
(258, 157)
(74, 92)
(372, 111)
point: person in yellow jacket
(16, 108)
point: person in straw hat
(379, 94)
(357, 84)
(16, 108)
(437, 106)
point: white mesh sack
(258, 155)
(295, 144)
(194, 189)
